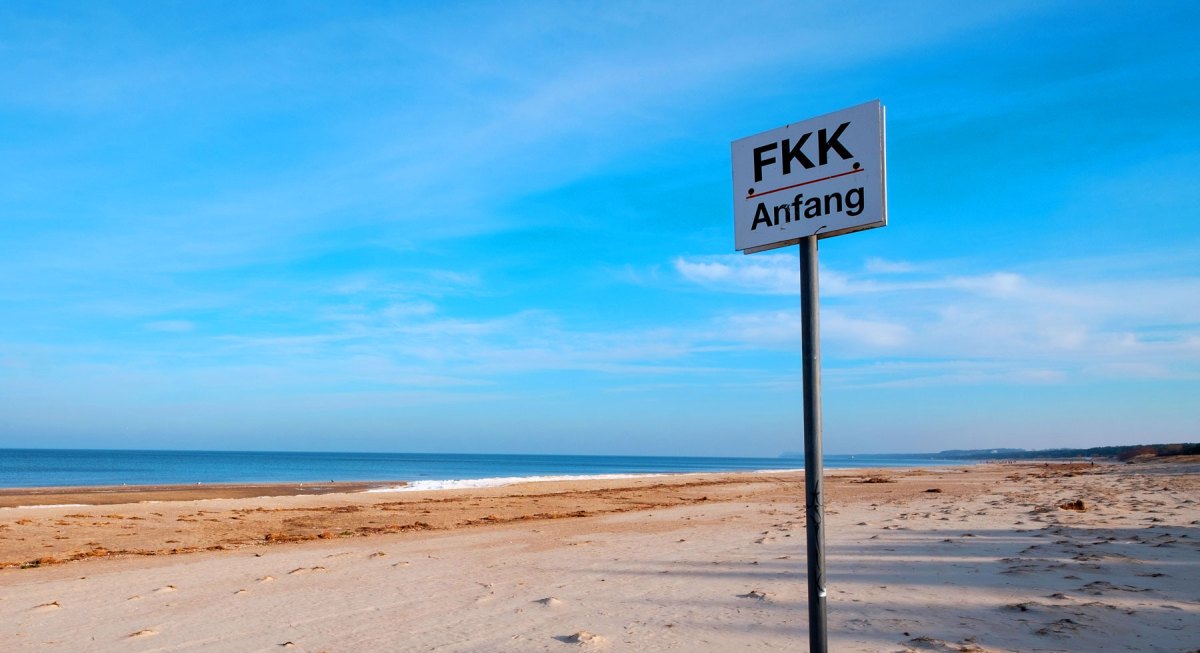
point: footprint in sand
(924, 643)
(550, 602)
(756, 595)
(1061, 629)
(145, 632)
(166, 588)
(491, 593)
(581, 637)
(240, 592)
(402, 563)
(305, 570)
(266, 579)
(47, 607)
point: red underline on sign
(805, 183)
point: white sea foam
(473, 483)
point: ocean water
(93, 467)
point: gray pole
(814, 486)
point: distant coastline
(1120, 452)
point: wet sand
(1017, 557)
(110, 495)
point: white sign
(824, 176)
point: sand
(1022, 557)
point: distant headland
(1120, 452)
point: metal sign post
(814, 484)
(792, 185)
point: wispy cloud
(1038, 328)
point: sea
(22, 468)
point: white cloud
(767, 274)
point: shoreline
(102, 495)
(97, 495)
(29, 469)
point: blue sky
(507, 227)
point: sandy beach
(997, 557)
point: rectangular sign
(824, 176)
